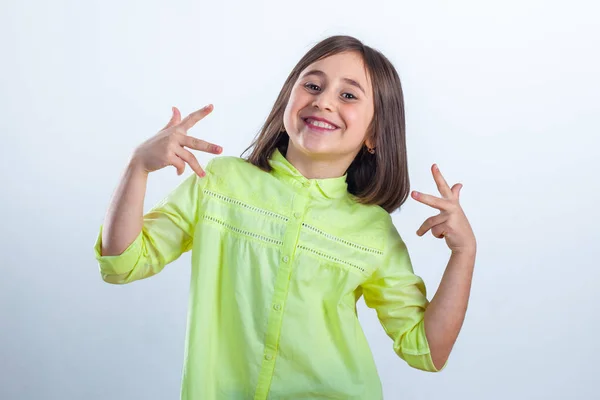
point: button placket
(290, 239)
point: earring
(371, 150)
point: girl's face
(330, 109)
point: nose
(323, 101)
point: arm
(134, 246)
(400, 299)
(124, 218)
(446, 312)
(425, 332)
(166, 232)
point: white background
(504, 96)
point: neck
(314, 167)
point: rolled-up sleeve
(399, 298)
(167, 232)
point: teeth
(320, 124)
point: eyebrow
(349, 81)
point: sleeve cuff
(118, 264)
(416, 352)
(423, 362)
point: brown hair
(380, 178)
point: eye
(312, 86)
(348, 96)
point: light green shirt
(278, 263)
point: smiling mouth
(319, 125)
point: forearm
(124, 218)
(446, 312)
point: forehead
(343, 65)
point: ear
(370, 143)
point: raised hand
(451, 223)
(168, 146)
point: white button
(277, 307)
(268, 357)
(286, 259)
(297, 214)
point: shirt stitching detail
(245, 205)
(243, 232)
(340, 240)
(332, 258)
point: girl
(287, 240)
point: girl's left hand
(451, 223)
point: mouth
(319, 124)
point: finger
(456, 190)
(441, 183)
(431, 222)
(178, 164)
(191, 160)
(198, 144)
(439, 231)
(175, 118)
(435, 202)
(196, 116)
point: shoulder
(225, 164)
(373, 215)
(237, 178)
(235, 168)
(381, 225)
(368, 225)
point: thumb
(175, 118)
(456, 189)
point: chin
(318, 151)
(308, 142)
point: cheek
(292, 107)
(299, 98)
(356, 118)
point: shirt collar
(329, 187)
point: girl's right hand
(167, 147)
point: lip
(318, 128)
